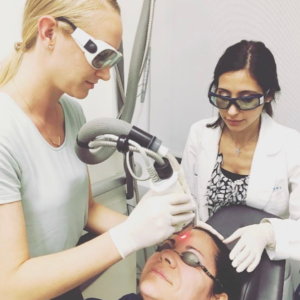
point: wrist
(270, 235)
(121, 240)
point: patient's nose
(169, 257)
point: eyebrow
(242, 92)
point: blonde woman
(45, 194)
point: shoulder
(70, 104)
(11, 116)
(72, 109)
(282, 130)
(278, 136)
(199, 126)
(7, 105)
(291, 139)
(201, 134)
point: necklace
(238, 149)
(55, 140)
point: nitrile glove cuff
(122, 240)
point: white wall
(189, 37)
(10, 22)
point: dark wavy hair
(258, 60)
(225, 272)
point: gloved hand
(207, 227)
(246, 254)
(152, 221)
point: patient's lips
(159, 272)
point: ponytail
(11, 64)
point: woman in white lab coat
(45, 193)
(244, 157)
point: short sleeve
(10, 174)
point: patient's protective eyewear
(243, 103)
(191, 260)
(98, 53)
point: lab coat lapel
(208, 154)
(210, 146)
(262, 176)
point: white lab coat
(274, 181)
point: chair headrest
(266, 281)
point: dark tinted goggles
(242, 103)
(105, 58)
(98, 53)
(191, 260)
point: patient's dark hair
(258, 60)
(225, 272)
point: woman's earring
(51, 45)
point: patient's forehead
(199, 240)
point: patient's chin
(152, 290)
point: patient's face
(166, 276)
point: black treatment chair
(266, 281)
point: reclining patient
(194, 266)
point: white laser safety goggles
(98, 53)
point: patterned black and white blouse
(225, 188)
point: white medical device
(166, 175)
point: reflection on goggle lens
(190, 259)
(105, 58)
(243, 103)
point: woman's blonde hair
(80, 12)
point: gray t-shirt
(52, 183)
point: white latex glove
(246, 254)
(152, 221)
(207, 227)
